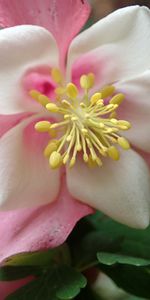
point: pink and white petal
(9, 287)
(136, 109)
(102, 62)
(42, 227)
(9, 121)
(145, 155)
(122, 33)
(25, 177)
(40, 79)
(119, 189)
(22, 48)
(63, 19)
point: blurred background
(101, 8)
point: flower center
(88, 124)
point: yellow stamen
(60, 91)
(56, 75)
(95, 98)
(55, 160)
(71, 90)
(123, 143)
(107, 91)
(42, 126)
(117, 99)
(51, 147)
(87, 81)
(34, 94)
(91, 79)
(43, 100)
(52, 107)
(113, 153)
(125, 125)
(88, 125)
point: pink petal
(9, 121)
(39, 79)
(23, 49)
(8, 287)
(63, 19)
(145, 155)
(42, 227)
(101, 62)
(25, 177)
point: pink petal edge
(40, 228)
(8, 287)
(9, 121)
(63, 19)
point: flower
(106, 62)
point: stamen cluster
(88, 126)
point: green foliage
(55, 283)
(111, 259)
(8, 273)
(43, 258)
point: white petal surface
(119, 189)
(136, 109)
(22, 48)
(124, 35)
(25, 177)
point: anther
(107, 91)
(34, 94)
(123, 143)
(51, 147)
(91, 78)
(113, 153)
(52, 107)
(66, 104)
(124, 124)
(42, 126)
(71, 90)
(55, 160)
(44, 100)
(117, 99)
(95, 98)
(87, 81)
(60, 91)
(56, 75)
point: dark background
(102, 8)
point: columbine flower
(71, 110)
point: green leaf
(70, 284)
(132, 242)
(111, 259)
(8, 273)
(56, 283)
(44, 258)
(106, 235)
(134, 298)
(125, 252)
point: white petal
(25, 177)
(22, 48)
(119, 189)
(123, 38)
(136, 109)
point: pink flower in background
(44, 203)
